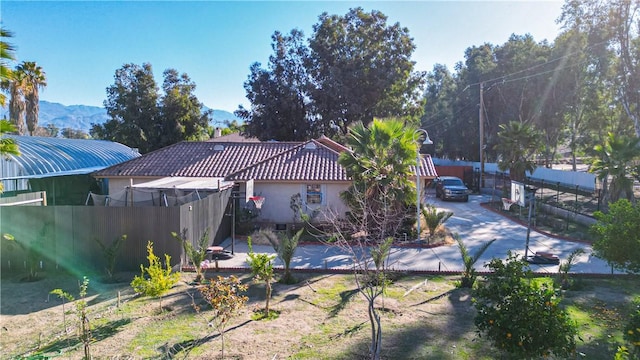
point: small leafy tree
(110, 254)
(195, 255)
(434, 218)
(469, 261)
(83, 319)
(84, 327)
(285, 246)
(618, 235)
(155, 280)
(521, 315)
(223, 294)
(262, 270)
(64, 296)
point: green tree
(15, 86)
(285, 246)
(8, 146)
(110, 253)
(143, 118)
(618, 235)
(223, 294)
(361, 68)
(262, 270)
(440, 103)
(7, 55)
(521, 315)
(181, 117)
(84, 327)
(518, 143)
(469, 274)
(34, 79)
(196, 255)
(280, 108)
(155, 280)
(614, 160)
(434, 218)
(69, 133)
(132, 105)
(380, 165)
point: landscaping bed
(321, 317)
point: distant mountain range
(80, 117)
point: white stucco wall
(276, 207)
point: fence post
(576, 205)
(558, 194)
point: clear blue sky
(80, 44)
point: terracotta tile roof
(197, 159)
(233, 137)
(314, 160)
(309, 161)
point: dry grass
(321, 317)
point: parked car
(451, 187)
(543, 258)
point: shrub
(196, 255)
(223, 294)
(110, 254)
(155, 280)
(520, 315)
(262, 270)
(632, 332)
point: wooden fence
(67, 236)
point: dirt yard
(321, 317)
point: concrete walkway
(473, 223)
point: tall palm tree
(518, 143)
(15, 86)
(6, 56)
(615, 160)
(35, 78)
(8, 146)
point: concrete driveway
(474, 224)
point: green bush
(521, 315)
(155, 280)
(632, 332)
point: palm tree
(6, 56)
(380, 166)
(14, 84)
(518, 144)
(8, 146)
(35, 79)
(434, 218)
(615, 159)
(469, 274)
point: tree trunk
(266, 308)
(376, 331)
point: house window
(314, 194)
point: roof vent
(310, 146)
(218, 147)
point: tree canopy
(573, 91)
(143, 118)
(618, 235)
(354, 68)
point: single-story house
(275, 171)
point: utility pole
(481, 120)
